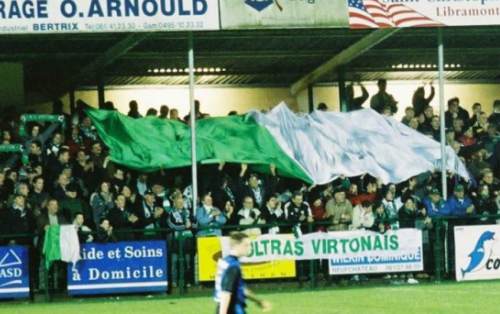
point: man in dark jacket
(56, 166)
(494, 118)
(149, 212)
(273, 213)
(382, 99)
(19, 220)
(50, 216)
(105, 232)
(356, 103)
(38, 198)
(297, 211)
(456, 112)
(257, 187)
(122, 218)
(407, 214)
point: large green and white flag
(315, 148)
(61, 244)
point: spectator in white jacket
(362, 216)
(249, 215)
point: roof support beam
(115, 52)
(345, 56)
(258, 54)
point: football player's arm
(264, 305)
(225, 298)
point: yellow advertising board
(209, 252)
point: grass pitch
(453, 298)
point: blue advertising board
(14, 272)
(122, 267)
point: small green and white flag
(61, 244)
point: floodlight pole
(444, 183)
(192, 117)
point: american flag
(376, 14)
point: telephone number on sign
(110, 26)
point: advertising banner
(73, 16)
(422, 13)
(402, 251)
(122, 267)
(209, 252)
(14, 272)
(240, 14)
(400, 246)
(477, 252)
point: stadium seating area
(68, 177)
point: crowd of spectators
(69, 178)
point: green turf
(467, 298)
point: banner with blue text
(70, 16)
(403, 253)
(14, 272)
(123, 267)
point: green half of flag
(61, 244)
(150, 143)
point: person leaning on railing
(229, 210)
(249, 215)
(83, 231)
(105, 233)
(382, 218)
(273, 213)
(181, 221)
(459, 204)
(123, 218)
(298, 212)
(391, 203)
(339, 211)
(209, 218)
(362, 217)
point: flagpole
(192, 116)
(444, 183)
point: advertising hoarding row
(96, 16)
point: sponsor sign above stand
(70, 16)
(477, 252)
(14, 272)
(253, 14)
(97, 16)
(123, 267)
(422, 13)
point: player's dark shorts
(229, 312)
